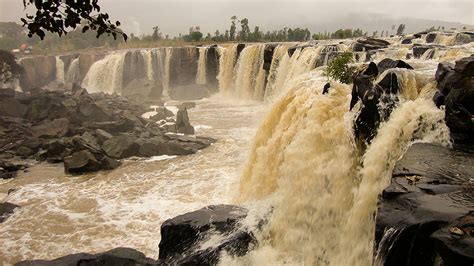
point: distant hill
(378, 22)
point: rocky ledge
(426, 214)
(88, 132)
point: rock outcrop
(426, 214)
(368, 44)
(88, 132)
(118, 256)
(182, 237)
(456, 92)
(6, 209)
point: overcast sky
(175, 16)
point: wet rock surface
(425, 215)
(6, 209)
(118, 256)
(182, 237)
(456, 92)
(88, 132)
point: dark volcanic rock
(118, 256)
(182, 235)
(161, 114)
(56, 128)
(425, 212)
(182, 122)
(6, 209)
(388, 63)
(420, 49)
(121, 147)
(369, 44)
(9, 170)
(85, 161)
(456, 92)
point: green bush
(339, 69)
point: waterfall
(60, 70)
(148, 58)
(280, 56)
(106, 75)
(227, 60)
(302, 61)
(322, 187)
(429, 54)
(73, 72)
(201, 70)
(166, 70)
(250, 75)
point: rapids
(61, 214)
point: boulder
(430, 37)
(420, 49)
(182, 122)
(182, 236)
(122, 146)
(118, 256)
(54, 151)
(9, 170)
(368, 44)
(55, 129)
(161, 114)
(408, 40)
(456, 91)
(425, 215)
(103, 136)
(86, 161)
(6, 210)
(388, 63)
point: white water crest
(202, 67)
(323, 188)
(106, 75)
(227, 61)
(60, 71)
(250, 75)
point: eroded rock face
(182, 122)
(426, 211)
(369, 44)
(118, 256)
(388, 63)
(38, 72)
(181, 236)
(456, 92)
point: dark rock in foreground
(182, 236)
(426, 214)
(456, 92)
(118, 256)
(6, 209)
(88, 132)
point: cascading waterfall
(106, 75)
(60, 71)
(166, 70)
(280, 56)
(324, 189)
(302, 61)
(429, 54)
(201, 70)
(148, 58)
(250, 75)
(73, 72)
(227, 60)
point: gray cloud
(174, 16)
